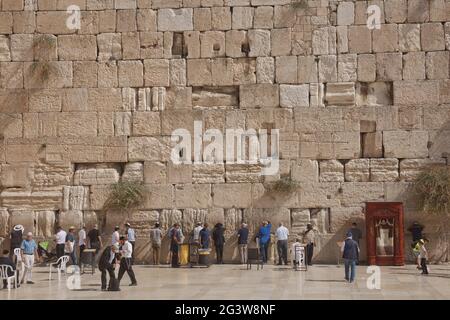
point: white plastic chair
(61, 263)
(4, 270)
(18, 254)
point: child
(423, 254)
(295, 258)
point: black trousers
(126, 265)
(423, 264)
(309, 253)
(219, 252)
(112, 276)
(59, 250)
(282, 248)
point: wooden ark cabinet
(385, 233)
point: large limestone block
(69, 218)
(156, 72)
(242, 18)
(77, 47)
(263, 17)
(52, 22)
(286, 69)
(319, 195)
(418, 11)
(411, 168)
(5, 54)
(146, 123)
(338, 94)
(52, 74)
(265, 70)
(259, 96)
(45, 223)
(77, 124)
(232, 195)
(324, 41)
(366, 67)
(389, 66)
(202, 19)
(372, 145)
(158, 196)
(409, 37)
(414, 66)
(345, 13)
(359, 39)
(331, 171)
(155, 172)
(193, 196)
(88, 175)
(327, 68)
(109, 46)
(130, 74)
(75, 198)
(98, 196)
(357, 170)
(396, 11)
(212, 44)
(235, 41)
(342, 217)
(346, 67)
(259, 42)
(148, 148)
(15, 175)
(179, 173)
(292, 96)
(356, 193)
(437, 117)
(432, 37)
(437, 65)
(385, 39)
(383, 169)
(299, 219)
(208, 173)
(307, 69)
(175, 19)
(199, 72)
(242, 173)
(413, 93)
(405, 144)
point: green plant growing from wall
(284, 185)
(125, 195)
(432, 191)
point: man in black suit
(106, 265)
(6, 260)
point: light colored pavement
(235, 282)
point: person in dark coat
(219, 241)
(16, 237)
(106, 265)
(175, 240)
(6, 260)
(350, 251)
(204, 237)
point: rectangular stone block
(259, 96)
(413, 93)
(175, 19)
(405, 144)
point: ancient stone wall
(360, 110)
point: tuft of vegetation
(284, 185)
(125, 195)
(299, 4)
(432, 188)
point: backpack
(114, 285)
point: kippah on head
(349, 234)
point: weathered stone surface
(133, 171)
(184, 199)
(292, 96)
(412, 93)
(208, 173)
(340, 94)
(432, 37)
(385, 39)
(265, 70)
(175, 19)
(359, 39)
(229, 195)
(356, 193)
(405, 144)
(345, 13)
(409, 37)
(357, 170)
(383, 169)
(414, 66)
(437, 65)
(259, 96)
(331, 171)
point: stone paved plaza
(234, 282)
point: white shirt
(131, 235)
(61, 237)
(82, 237)
(127, 250)
(282, 233)
(115, 237)
(197, 232)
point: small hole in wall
(245, 48)
(216, 47)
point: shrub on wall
(125, 195)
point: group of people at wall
(122, 247)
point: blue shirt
(131, 235)
(28, 246)
(264, 233)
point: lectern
(384, 228)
